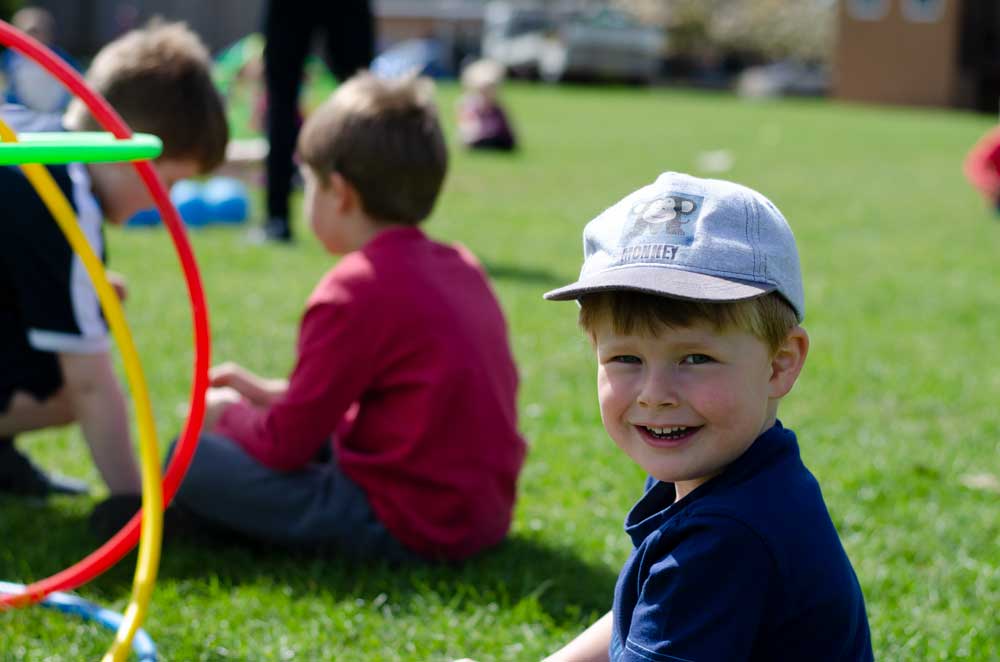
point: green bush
(768, 29)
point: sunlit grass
(896, 406)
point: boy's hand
(216, 401)
(260, 391)
(119, 284)
(228, 374)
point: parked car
(606, 44)
(784, 78)
(515, 35)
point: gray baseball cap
(690, 238)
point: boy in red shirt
(403, 364)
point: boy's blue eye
(626, 358)
(696, 359)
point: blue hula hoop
(142, 644)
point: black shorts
(22, 367)
(47, 303)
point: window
(923, 11)
(868, 10)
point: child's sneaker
(19, 477)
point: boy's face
(322, 211)
(121, 191)
(335, 213)
(688, 401)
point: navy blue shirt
(748, 566)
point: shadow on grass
(525, 274)
(41, 538)
(38, 540)
(518, 570)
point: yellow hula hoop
(152, 493)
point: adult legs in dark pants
(349, 45)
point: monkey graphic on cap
(661, 216)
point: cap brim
(662, 281)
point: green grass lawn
(896, 408)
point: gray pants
(317, 506)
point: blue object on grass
(226, 200)
(186, 196)
(144, 218)
(218, 200)
(142, 643)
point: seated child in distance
(403, 364)
(482, 122)
(692, 297)
(55, 357)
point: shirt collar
(393, 235)
(657, 504)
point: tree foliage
(801, 29)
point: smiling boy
(694, 313)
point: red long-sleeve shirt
(982, 166)
(403, 352)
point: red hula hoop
(122, 542)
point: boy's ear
(347, 196)
(787, 362)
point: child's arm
(337, 359)
(591, 645)
(98, 405)
(260, 391)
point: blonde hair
(158, 78)
(768, 317)
(482, 74)
(382, 136)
